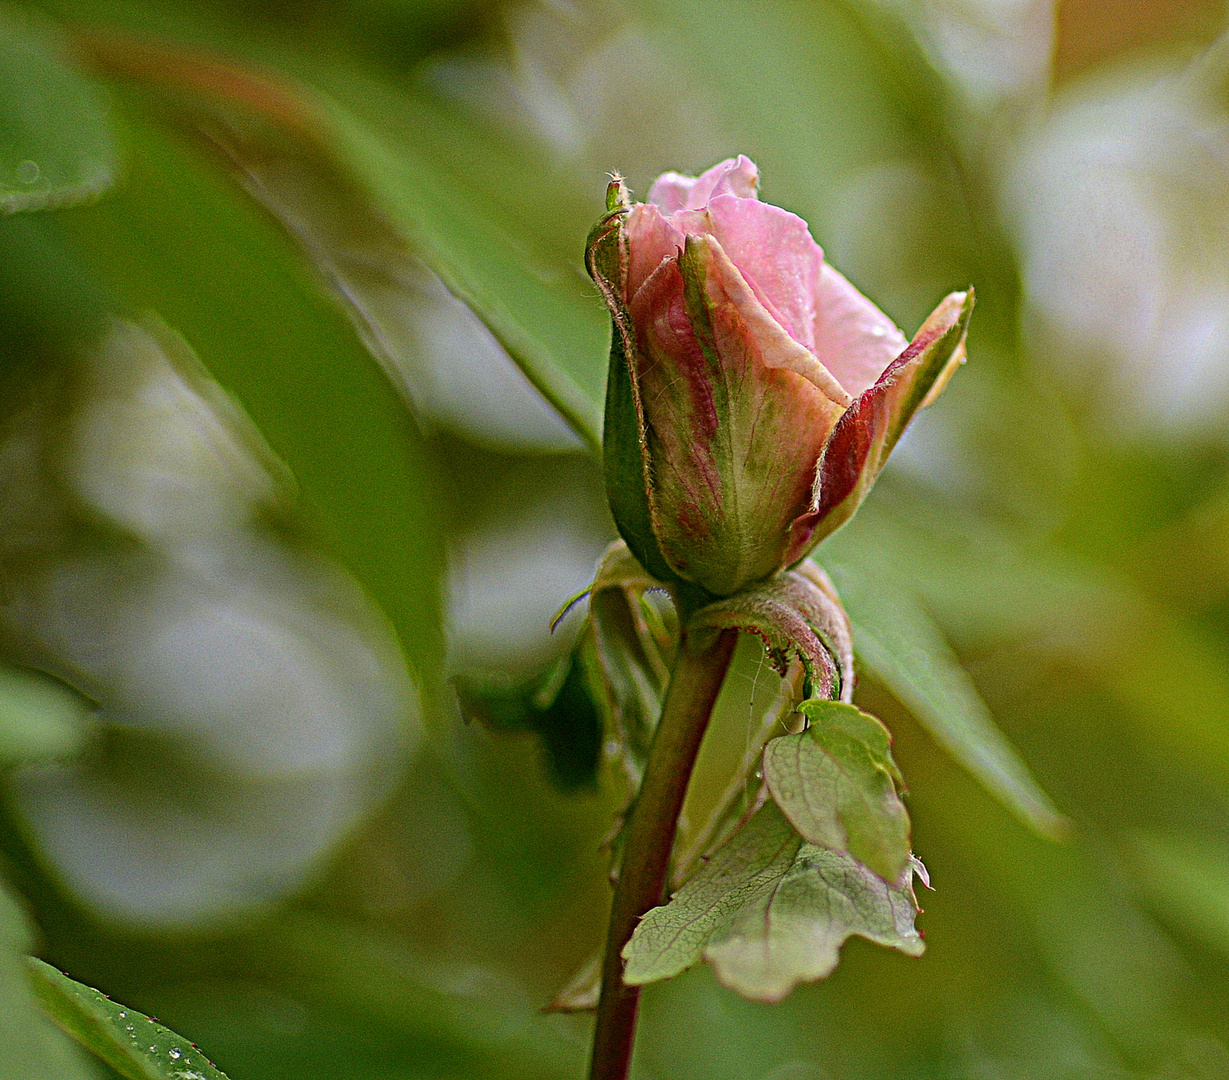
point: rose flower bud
(754, 394)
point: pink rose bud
(754, 394)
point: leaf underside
(769, 911)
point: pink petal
(853, 339)
(651, 240)
(773, 250)
(673, 192)
(738, 177)
(775, 347)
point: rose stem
(695, 682)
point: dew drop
(28, 172)
(175, 1053)
(123, 1015)
(878, 331)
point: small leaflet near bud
(837, 783)
(769, 911)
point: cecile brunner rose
(754, 394)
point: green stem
(694, 685)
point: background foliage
(267, 485)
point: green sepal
(617, 197)
(623, 434)
(623, 458)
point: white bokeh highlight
(1120, 205)
(253, 706)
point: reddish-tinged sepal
(796, 613)
(865, 435)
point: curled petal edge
(777, 348)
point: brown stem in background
(694, 684)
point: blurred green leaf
(836, 782)
(464, 1019)
(350, 180)
(181, 240)
(1186, 878)
(544, 314)
(50, 304)
(987, 586)
(56, 144)
(557, 707)
(30, 1046)
(137, 1047)
(897, 640)
(39, 716)
(769, 911)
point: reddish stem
(694, 685)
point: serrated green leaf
(769, 911)
(39, 716)
(135, 1046)
(56, 145)
(836, 782)
(899, 642)
(30, 1046)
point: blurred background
(300, 384)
